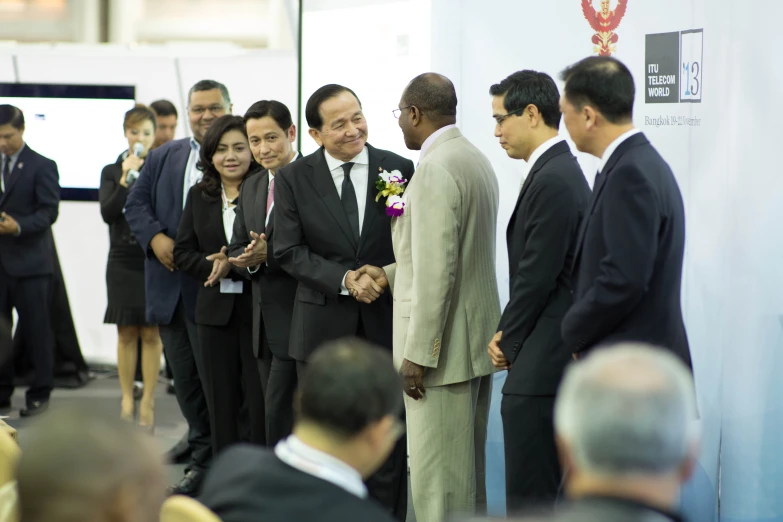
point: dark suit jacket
(32, 198)
(154, 205)
(249, 484)
(314, 243)
(541, 239)
(200, 234)
(112, 197)
(274, 290)
(629, 256)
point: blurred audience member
(29, 204)
(125, 270)
(166, 114)
(153, 211)
(224, 307)
(79, 467)
(271, 133)
(347, 422)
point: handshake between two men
(367, 283)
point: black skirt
(125, 287)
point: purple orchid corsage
(391, 186)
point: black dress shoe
(34, 408)
(170, 388)
(189, 485)
(180, 453)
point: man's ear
(292, 133)
(316, 135)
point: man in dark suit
(153, 210)
(271, 133)
(541, 239)
(629, 254)
(347, 423)
(327, 225)
(29, 203)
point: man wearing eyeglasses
(153, 210)
(541, 238)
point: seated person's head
(79, 467)
(349, 402)
(624, 419)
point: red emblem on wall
(604, 22)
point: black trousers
(182, 348)
(532, 465)
(389, 485)
(30, 296)
(278, 381)
(231, 382)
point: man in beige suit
(445, 302)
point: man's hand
(378, 275)
(220, 267)
(255, 253)
(8, 225)
(362, 287)
(413, 377)
(499, 360)
(163, 248)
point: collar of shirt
(272, 173)
(540, 150)
(314, 462)
(613, 147)
(363, 158)
(194, 145)
(431, 139)
(13, 157)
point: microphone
(133, 174)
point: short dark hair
(164, 108)
(137, 115)
(11, 115)
(313, 107)
(347, 385)
(210, 182)
(210, 85)
(433, 94)
(527, 87)
(604, 83)
(272, 108)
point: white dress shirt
(192, 174)
(12, 159)
(318, 464)
(229, 214)
(431, 139)
(613, 147)
(540, 150)
(359, 174)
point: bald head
(435, 97)
(627, 410)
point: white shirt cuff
(253, 269)
(343, 289)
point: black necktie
(600, 179)
(6, 173)
(348, 198)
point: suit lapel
(179, 163)
(16, 172)
(259, 208)
(370, 210)
(322, 180)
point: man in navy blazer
(29, 203)
(153, 210)
(629, 252)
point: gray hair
(210, 85)
(628, 410)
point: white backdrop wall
(722, 157)
(157, 72)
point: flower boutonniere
(391, 185)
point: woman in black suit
(224, 306)
(125, 271)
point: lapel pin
(21, 165)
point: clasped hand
(220, 267)
(366, 284)
(8, 225)
(255, 253)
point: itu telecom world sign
(673, 67)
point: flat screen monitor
(77, 126)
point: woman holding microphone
(224, 306)
(125, 271)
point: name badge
(227, 286)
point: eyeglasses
(398, 112)
(214, 109)
(501, 119)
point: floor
(103, 394)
